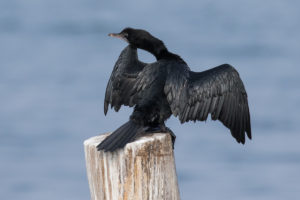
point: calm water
(56, 58)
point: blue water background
(55, 61)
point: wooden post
(144, 169)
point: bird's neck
(160, 51)
(165, 54)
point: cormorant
(168, 86)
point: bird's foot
(168, 130)
(161, 129)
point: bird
(168, 87)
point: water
(56, 58)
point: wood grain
(143, 169)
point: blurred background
(55, 61)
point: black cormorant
(168, 86)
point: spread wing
(218, 91)
(123, 79)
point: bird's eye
(125, 35)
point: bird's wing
(122, 79)
(218, 91)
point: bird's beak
(118, 35)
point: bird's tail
(120, 137)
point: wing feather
(218, 91)
(122, 79)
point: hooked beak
(118, 35)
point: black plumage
(168, 86)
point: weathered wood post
(143, 170)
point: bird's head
(141, 39)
